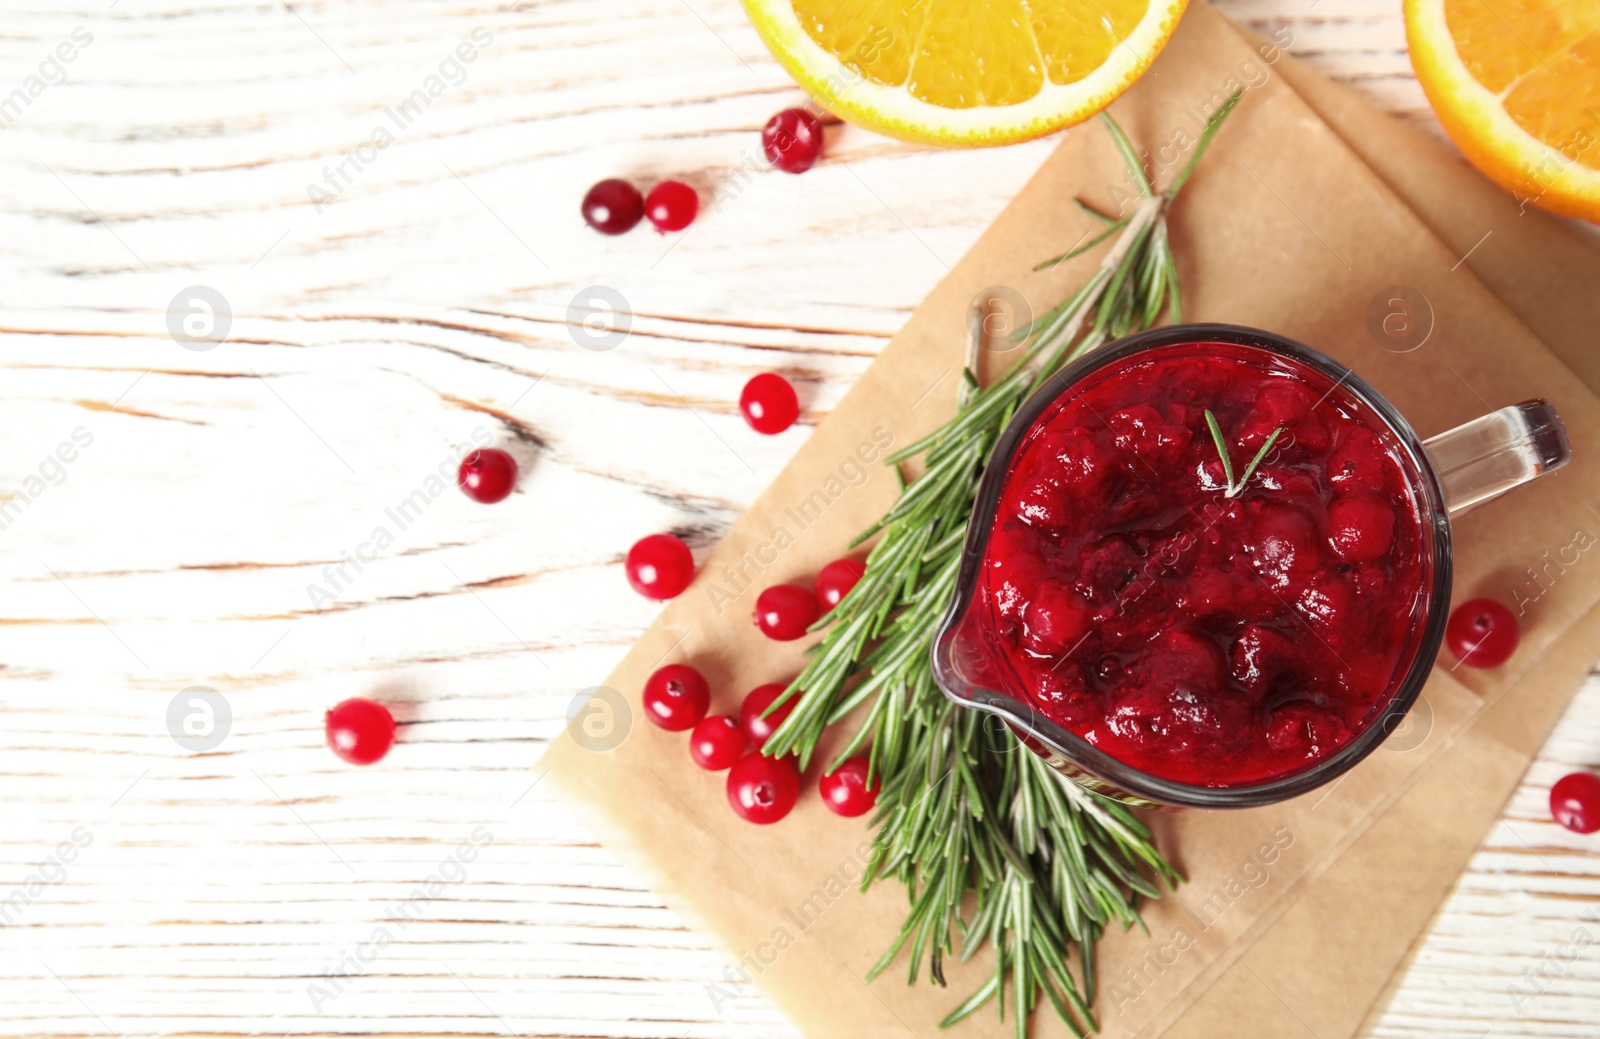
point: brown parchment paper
(1295, 915)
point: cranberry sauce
(1201, 638)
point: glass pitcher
(1448, 474)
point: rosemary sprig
(994, 847)
(1235, 489)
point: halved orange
(965, 72)
(1516, 84)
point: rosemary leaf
(1116, 226)
(1212, 126)
(1088, 210)
(1222, 449)
(1250, 470)
(1129, 157)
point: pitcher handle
(1488, 456)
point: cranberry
(612, 206)
(717, 742)
(360, 731)
(676, 697)
(1328, 601)
(792, 140)
(1061, 691)
(660, 566)
(1062, 467)
(1080, 462)
(1219, 593)
(1287, 405)
(769, 404)
(763, 790)
(1185, 720)
(1262, 656)
(1042, 502)
(846, 791)
(1151, 440)
(1055, 621)
(1296, 481)
(785, 611)
(1305, 731)
(1011, 582)
(1189, 656)
(835, 580)
(1173, 698)
(1107, 567)
(671, 205)
(1285, 543)
(487, 475)
(1360, 527)
(1359, 461)
(1575, 802)
(1482, 633)
(756, 727)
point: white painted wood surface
(429, 301)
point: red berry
(762, 789)
(487, 475)
(676, 697)
(769, 404)
(845, 790)
(1482, 633)
(671, 205)
(1360, 527)
(792, 140)
(756, 727)
(1575, 802)
(612, 206)
(835, 581)
(660, 566)
(785, 611)
(360, 731)
(717, 742)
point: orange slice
(1516, 84)
(965, 72)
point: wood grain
(431, 302)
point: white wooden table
(214, 892)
